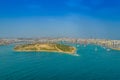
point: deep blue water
(90, 65)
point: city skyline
(61, 18)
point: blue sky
(60, 18)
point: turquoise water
(90, 65)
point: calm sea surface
(90, 65)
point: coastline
(69, 53)
(43, 51)
(46, 48)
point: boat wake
(76, 55)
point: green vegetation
(64, 47)
(47, 49)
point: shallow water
(90, 65)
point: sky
(60, 18)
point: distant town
(112, 44)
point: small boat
(84, 45)
(78, 45)
(96, 49)
(108, 49)
(104, 47)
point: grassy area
(64, 47)
(49, 49)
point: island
(46, 47)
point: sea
(92, 63)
